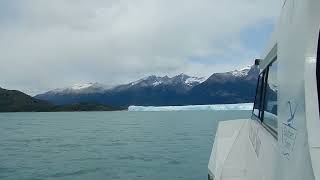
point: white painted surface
(294, 154)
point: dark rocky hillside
(16, 101)
(225, 88)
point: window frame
(260, 118)
(261, 77)
(318, 71)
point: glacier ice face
(217, 107)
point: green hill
(16, 101)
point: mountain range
(236, 86)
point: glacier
(215, 107)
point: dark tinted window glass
(257, 103)
(318, 71)
(271, 103)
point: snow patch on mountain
(165, 80)
(157, 83)
(81, 86)
(241, 72)
(192, 80)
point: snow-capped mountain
(181, 82)
(229, 87)
(247, 73)
(186, 80)
(181, 79)
(150, 81)
(236, 86)
(191, 81)
(81, 88)
(242, 72)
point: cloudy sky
(48, 44)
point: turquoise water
(108, 145)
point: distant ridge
(236, 86)
(16, 101)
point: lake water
(108, 145)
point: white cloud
(48, 44)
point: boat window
(270, 100)
(258, 99)
(266, 105)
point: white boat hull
(288, 149)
